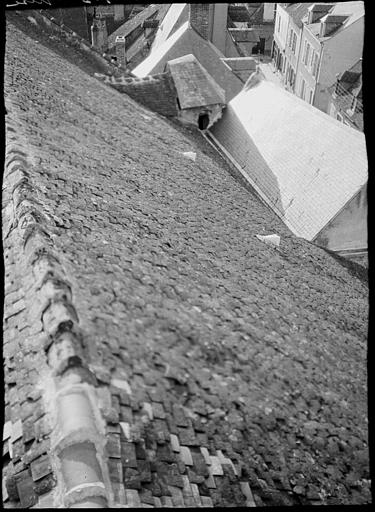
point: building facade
(313, 43)
(345, 103)
(280, 37)
(330, 44)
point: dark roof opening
(203, 121)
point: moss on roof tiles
(253, 358)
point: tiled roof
(312, 164)
(156, 11)
(187, 41)
(195, 87)
(156, 352)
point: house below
(308, 167)
(346, 100)
(184, 90)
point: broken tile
(148, 409)
(185, 456)
(16, 431)
(210, 482)
(175, 444)
(125, 427)
(186, 490)
(196, 495)
(179, 416)
(7, 431)
(158, 411)
(206, 455)
(215, 469)
(166, 501)
(206, 501)
(122, 384)
(245, 488)
(128, 455)
(40, 467)
(113, 445)
(132, 498)
(25, 489)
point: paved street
(266, 348)
(267, 67)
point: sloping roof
(297, 11)
(187, 41)
(312, 164)
(353, 10)
(156, 11)
(195, 87)
(152, 343)
(176, 16)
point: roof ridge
(69, 392)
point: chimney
(99, 35)
(199, 18)
(317, 11)
(121, 50)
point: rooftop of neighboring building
(195, 86)
(308, 178)
(345, 14)
(297, 11)
(153, 11)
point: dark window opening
(178, 103)
(203, 121)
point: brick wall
(156, 92)
(199, 18)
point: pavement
(270, 73)
(265, 349)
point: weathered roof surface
(136, 289)
(151, 11)
(312, 165)
(297, 11)
(195, 87)
(187, 41)
(176, 16)
(353, 10)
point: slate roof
(312, 165)
(195, 87)
(297, 11)
(142, 314)
(187, 41)
(352, 10)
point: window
(314, 66)
(294, 43)
(290, 38)
(307, 53)
(311, 97)
(303, 86)
(339, 118)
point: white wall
(340, 52)
(280, 36)
(268, 11)
(348, 230)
